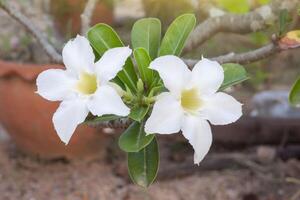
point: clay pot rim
(26, 71)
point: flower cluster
(191, 101)
(157, 91)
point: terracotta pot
(27, 117)
(66, 14)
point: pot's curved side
(28, 118)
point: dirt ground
(25, 178)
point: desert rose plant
(146, 87)
(160, 95)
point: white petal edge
(67, 117)
(208, 76)
(107, 101)
(221, 109)
(166, 116)
(198, 132)
(55, 85)
(112, 62)
(173, 71)
(78, 55)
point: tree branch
(253, 21)
(31, 28)
(247, 57)
(86, 16)
(121, 123)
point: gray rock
(273, 103)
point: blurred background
(256, 158)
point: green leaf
(102, 37)
(157, 90)
(233, 74)
(234, 6)
(283, 21)
(146, 33)
(294, 96)
(143, 60)
(143, 165)
(103, 118)
(177, 34)
(134, 138)
(138, 113)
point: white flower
(84, 86)
(193, 98)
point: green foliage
(134, 138)
(258, 75)
(102, 37)
(143, 165)
(233, 74)
(263, 2)
(146, 33)
(234, 6)
(165, 10)
(143, 60)
(283, 21)
(138, 113)
(177, 34)
(294, 96)
(260, 38)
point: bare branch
(31, 28)
(251, 56)
(86, 16)
(119, 123)
(246, 57)
(253, 21)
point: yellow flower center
(87, 83)
(190, 100)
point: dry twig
(243, 58)
(253, 21)
(86, 16)
(31, 28)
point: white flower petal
(166, 116)
(173, 71)
(107, 101)
(69, 114)
(55, 85)
(208, 76)
(78, 55)
(198, 132)
(221, 109)
(112, 62)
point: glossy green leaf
(146, 33)
(143, 165)
(102, 37)
(138, 113)
(143, 60)
(177, 34)
(294, 96)
(134, 138)
(233, 74)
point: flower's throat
(87, 83)
(190, 100)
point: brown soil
(24, 178)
